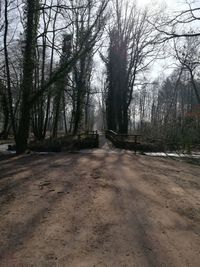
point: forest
(69, 67)
(99, 133)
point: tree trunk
(28, 69)
(7, 67)
(5, 131)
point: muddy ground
(98, 209)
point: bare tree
(178, 24)
(188, 56)
(32, 20)
(29, 97)
(131, 51)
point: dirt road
(98, 209)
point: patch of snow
(4, 149)
(177, 155)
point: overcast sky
(171, 4)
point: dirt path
(98, 209)
(105, 143)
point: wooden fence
(133, 142)
(88, 139)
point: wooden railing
(133, 142)
(88, 139)
(115, 137)
(138, 142)
(91, 134)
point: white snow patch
(195, 155)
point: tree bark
(28, 69)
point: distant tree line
(168, 110)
